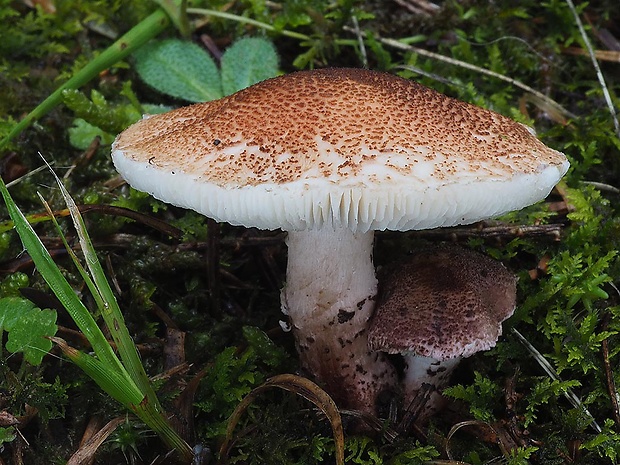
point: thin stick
(360, 41)
(546, 366)
(244, 20)
(609, 374)
(597, 68)
(436, 56)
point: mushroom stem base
(329, 297)
(421, 370)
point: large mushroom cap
(352, 147)
(443, 302)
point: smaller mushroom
(443, 304)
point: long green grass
(121, 376)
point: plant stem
(242, 19)
(148, 28)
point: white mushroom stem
(421, 370)
(329, 297)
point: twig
(88, 449)
(244, 20)
(414, 410)
(602, 186)
(545, 365)
(603, 55)
(27, 175)
(464, 424)
(434, 76)
(609, 374)
(436, 56)
(599, 74)
(419, 7)
(505, 230)
(360, 41)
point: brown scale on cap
(444, 302)
(332, 123)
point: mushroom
(331, 156)
(442, 304)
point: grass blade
(148, 407)
(106, 299)
(85, 276)
(119, 387)
(131, 387)
(57, 282)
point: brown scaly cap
(349, 140)
(444, 302)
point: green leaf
(30, 335)
(246, 62)
(547, 390)
(11, 308)
(416, 455)
(6, 435)
(29, 328)
(81, 134)
(128, 380)
(180, 69)
(105, 299)
(605, 444)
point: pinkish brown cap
(444, 302)
(349, 147)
